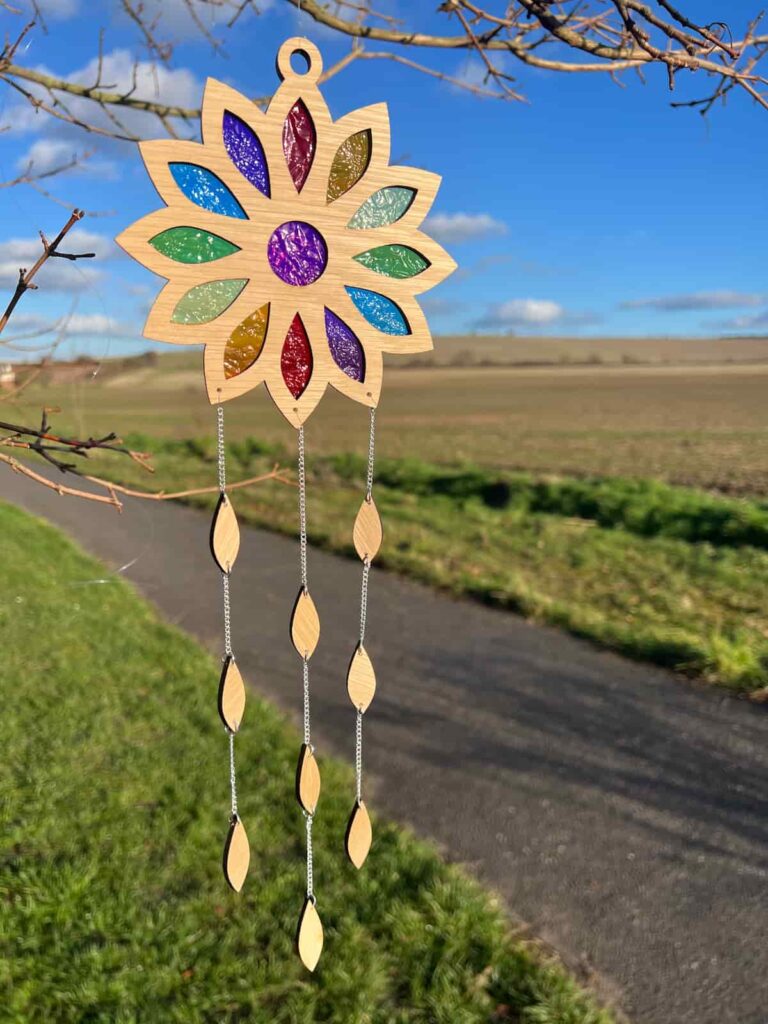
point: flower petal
(205, 302)
(191, 245)
(349, 164)
(345, 347)
(245, 343)
(383, 207)
(203, 188)
(299, 141)
(296, 358)
(245, 151)
(379, 311)
(393, 261)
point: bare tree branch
(50, 250)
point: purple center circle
(297, 252)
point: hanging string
(364, 607)
(221, 459)
(309, 818)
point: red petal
(299, 140)
(296, 358)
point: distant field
(699, 424)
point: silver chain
(364, 610)
(371, 444)
(227, 617)
(232, 775)
(307, 738)
(368, 497)
(302, 511)
(220, 451)
(309, 818)
(359, 755)
(310, 858)
(221, 459)
(364, 598)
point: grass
(114, 795)
(664, 574)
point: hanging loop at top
(306, 49)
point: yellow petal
(307, 780)
(309, 937)
(231, 695)
(237, 855)
(305, 625)
(225, 534)
(367, 532)
(361, 679)
(359, 835)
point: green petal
(191, 245)
(383, 207)
(393, 260)
(205, 302)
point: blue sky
(592, 209)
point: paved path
(621, 813)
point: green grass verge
(660, 573)
(114, 794)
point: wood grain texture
(305, 625)
(237, 855)
(367, 533)
(231, 695)
(309, 935)
(225, 535)
(359, 835)
(361, 679)
(263, 215)
(307, 780)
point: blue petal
(206, 190)
(379, 311)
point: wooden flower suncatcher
(293, 252)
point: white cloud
(524, 312)
(175, 16)
(121, 73)
(25, 251)
(55, 10)
(98, 324)
(55, 274)
(746, 322)
(47, 154)
(78, 325)
(692, 301)
(462, 227)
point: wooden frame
(263, 215)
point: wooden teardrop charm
(307, 780)
(309, 935)
(225, 535)
(361, 679)
(231, 695)
(305, 625)
(367, 533)
(237, 854)
(359, 835)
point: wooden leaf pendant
(367, 533)
(361, 679)
(307, 780)
(309, 936)
(231, 695)
(237, 854)
(359, 835)
(225, 535)
(305, 625)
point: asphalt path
(620, 812)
